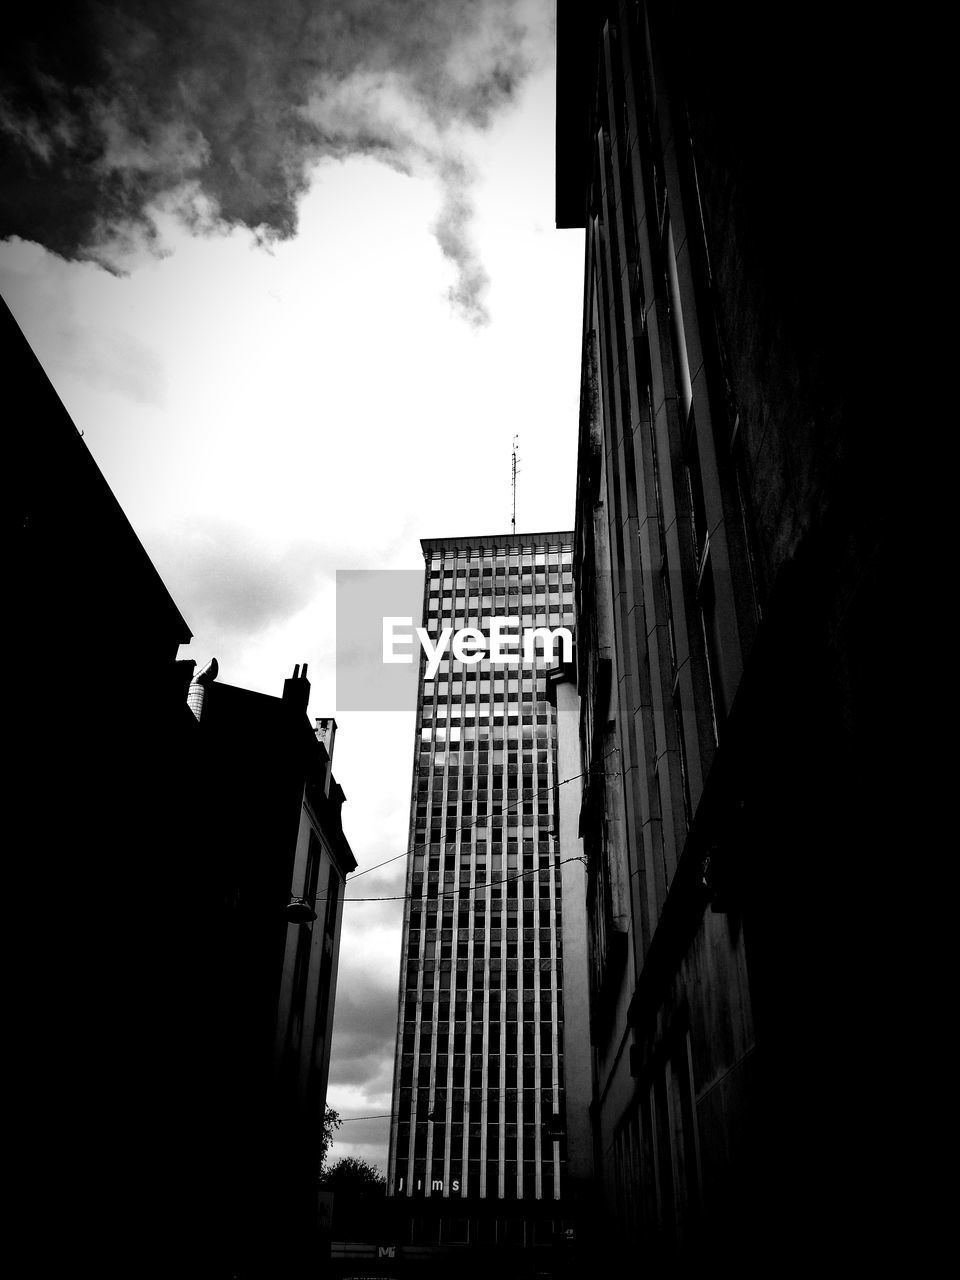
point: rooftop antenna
(513, 483)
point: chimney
(198, 685)
(296, 689)
(326, 732)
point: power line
(414, 848)
(451, 893)
(487, 884)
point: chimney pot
(296, 689)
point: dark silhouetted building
(733, 529)
(173, 905)
(106, 924)
(274, 822)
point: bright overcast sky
(267, 415)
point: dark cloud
(218, 109)
(223, 582)
(226, 582)
(365, 1029)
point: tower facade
(478, 1096)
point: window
(333, 890)
(312, 873)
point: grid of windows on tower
(478, 1090)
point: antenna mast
(513, 484)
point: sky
(293, 270)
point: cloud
(228, 580)
(229, 584)
(365, 1024)
(217, 111)
(365, 1033)
(119, 363)
(100, 354)
(452, 232)
(365, 1028)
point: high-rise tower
(478, 1094)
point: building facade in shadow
(732, 537)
